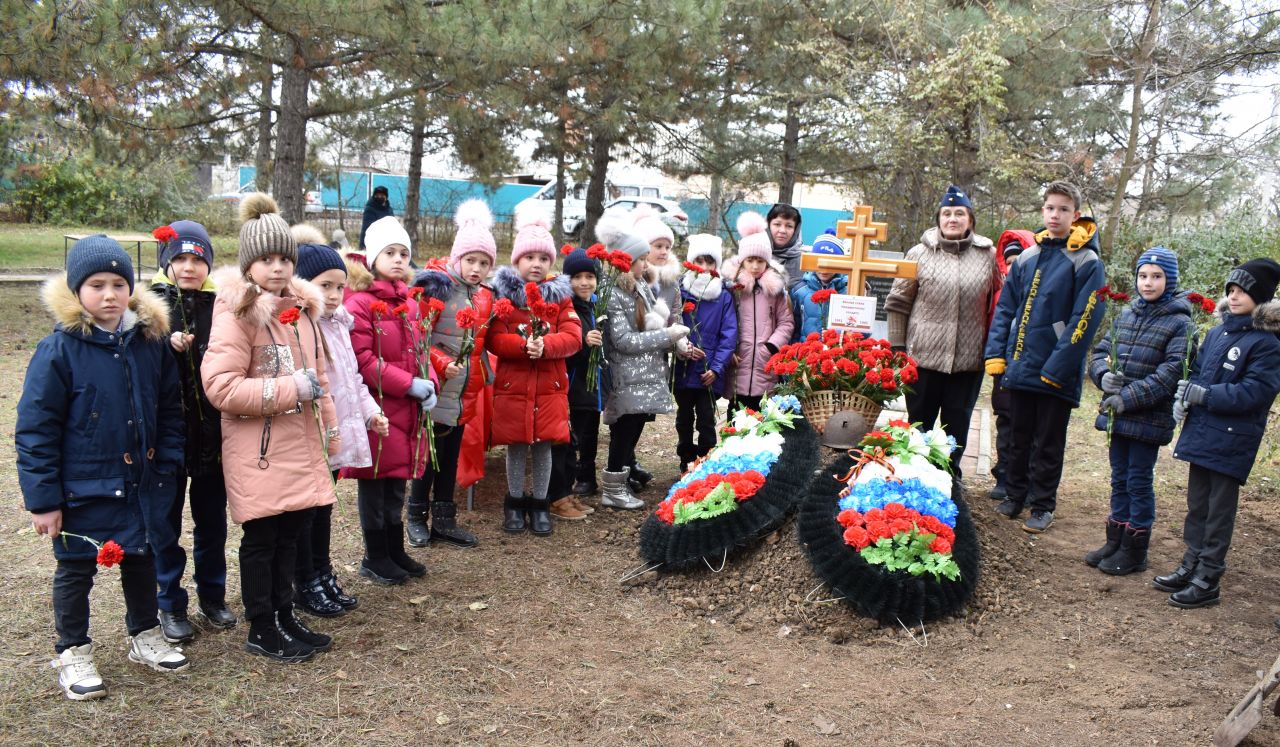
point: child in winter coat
(1009, 246)
(186, 259)
(638, 340)
(99, 442)
(388, 339)
(265, 371)
(708, 311)
(1234, 382)
(765, 321)
(664, 268)
(317, 585)
(531, 389)
(811, 316)
(458, 284)
(1039, 339)
(1149, 342)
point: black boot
(586, 483)
(288, 622)
(444, 526)
(1176, 581)
(540, 516)
(415, 523)
(1199, 592)
(336, 593)
(513, 514)
(313, 598)
(638, 477)
(266, 639)
(395, 551)
(1115, 532)
(1001, 491)
(1132, 555)
(376, 566)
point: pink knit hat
(755, 238)
(475, 232)
(648, 223)
(533, 233)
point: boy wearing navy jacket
(1044, 324)
(1234, 381)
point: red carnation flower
(290, 316)
(691, 267)
(466, 318)
(823, 295)
(379, 309)
(566, 249)
(503, 308)
(164, 234)
(532, 294)
(1104, 292)
(688, 307)
(940, 545)
(401, 310)
(899, 424)
(434, 306)
(858, 537)
(620, 260)
(415, 292)
(597, 251)
(111, 553)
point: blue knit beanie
(94, 254)
(314, 259)
(828, 243)
(192, 238)
(1166, 260)
(955, 197)
(577, 261)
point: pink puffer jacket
(764, 319)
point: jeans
(72, 581)
(267, 554)
(209, 544)
(1133, 493)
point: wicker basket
(820, 406)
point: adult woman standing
(941, 317)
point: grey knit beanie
(94, 254)
(263, 231)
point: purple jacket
(714, 329)
(765, 323)
(351, 397)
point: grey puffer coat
(637, 357)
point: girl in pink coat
(765, 321)
(265, 371)
(389, 341)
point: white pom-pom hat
(533, 233)
(706, 245)
(475, 232)
(649, 225)
(752, 227)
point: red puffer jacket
(531, 397)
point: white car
(668, 210)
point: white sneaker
(150, 648)
(77, 675)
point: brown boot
(564, 509)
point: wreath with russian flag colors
(887, 528)
(740, 490)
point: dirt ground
(535, 641)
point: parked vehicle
(314, 199)
(575, 200)
(669, 210)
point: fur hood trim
(667, 275)
(700, 287)
(149, 310)
(359, 277)
(772, 282)
(232, 287)
(434, 284)
(1266, 316)
(508, 284)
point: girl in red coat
(459, 284)
(386, 337)
(531, 390)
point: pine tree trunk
(291, 146)
(411, 195)
(557, 218)
(601, 144)
(715, 204)
(790, 153)
(262, 154)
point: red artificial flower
(503, 308)
(910, 375)
(858, 537)
(874, 437)
(597, 251)
(290, 316)
(888, 383)
(688, 307)
(873, 376)
(532, 294)
(566, 249)
(940, 545)
(813, 337)
(849, 517)
(415, 292)
(828, 368)
(401, 310)
(164, 234)
(379, 309)
(823, 295)
(111, 553)
(466, 318)
(899, 424)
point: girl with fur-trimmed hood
(270, 381)
(531, 390)
(638, 338)
(765, 321)
(99, 443)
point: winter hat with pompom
(706, 245)
(475, 232)
(614, 230)
(533, 233)
(648, 223)
(755, 238)
(188, 237)
(263, 231)
(382, 233)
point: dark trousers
(314, 531)
(624, 435)
(380, 502)
(1035, 453)
(695, 408)
(1133, 474)
(1004, 427)
(584, 427)
(72, 582)
(739, 401)
(209, 544)
(1212, 498)
(949, 395)
(438, 485)
(267, 554)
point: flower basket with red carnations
(832, 371)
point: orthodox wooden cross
(859, 265)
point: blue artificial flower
(913, 494)
(787, 402)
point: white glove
(423, 391)
(677, 332)
(308, 385)
(683, 346)
(1179, 411)
(1181, 394)
(1112, 382)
